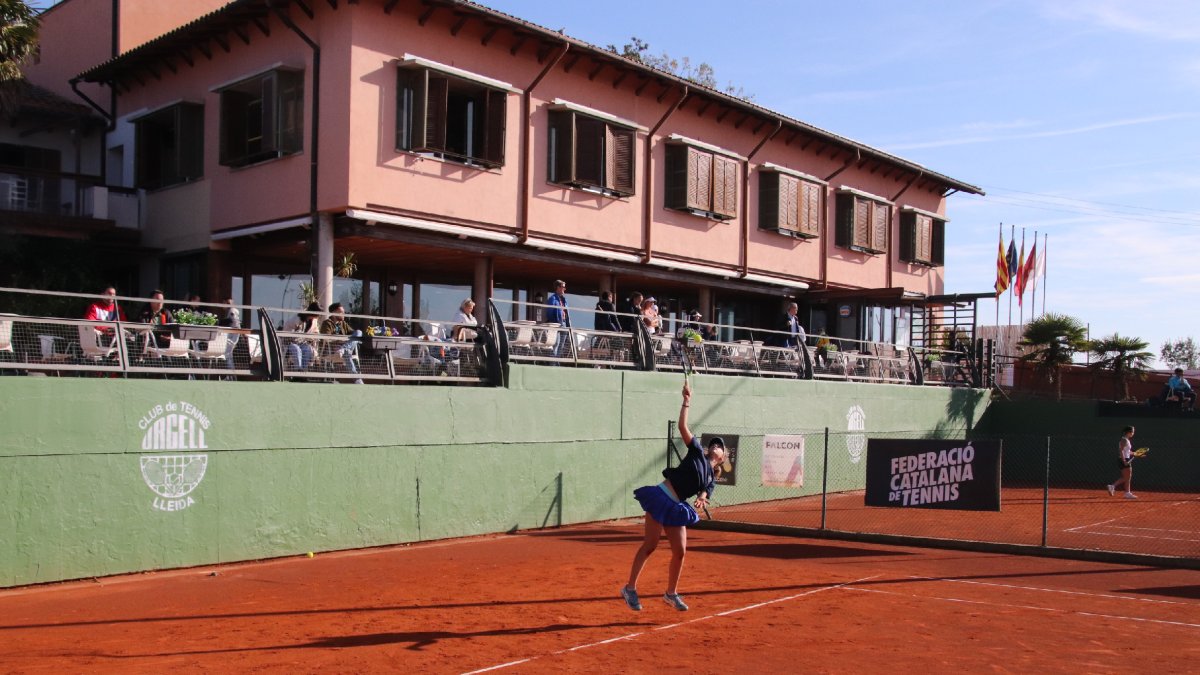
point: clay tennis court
(1159, 522)
(547, 601)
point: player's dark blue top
(693, 474)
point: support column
(481, 287)
(608, 282)
(706, 304)
(323, 264)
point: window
(591, 153)
(170, 146)
(862, 221)
(922, 237)
(701, 181)
(451, 117)
(262, 118)
(790, 203)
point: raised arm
(683, 415)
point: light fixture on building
(392, 288)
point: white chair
(6, 336)
(91, 345)
(214, 349)
(176, 348)
(254, 346)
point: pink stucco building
(455, 150)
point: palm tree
(18, 41)
(1126, 357)
(1052, 340)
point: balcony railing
(38, 336)
(68, 195)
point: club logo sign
(174, 425)
(856, 444)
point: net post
(824, 478)
(1046, 496)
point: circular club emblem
(173, 476)
(856, 444)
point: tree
(18, 42)
(1126, 357)
(703, 74)
(1052, 340)
(1180, 353)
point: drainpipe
(648, 208)
(314, 163)
(745, 262)
(825, 246)
(526, 115)
(897, 215)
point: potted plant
(381, 338)
(194, 324)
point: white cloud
(1158, 19)
(994, 138)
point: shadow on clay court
(790, 551)
(418, 640)
(1188, 592)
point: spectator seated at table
(157, 315)
(302, 351)
(1179, 389)
(336, 324)
(105, 309)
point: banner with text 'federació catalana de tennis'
(933, 474)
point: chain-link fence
(1053, 490)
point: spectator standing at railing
(336, 324)
(232, 319)
(795, 335)
(650, 318)
(302, 351)
(559, 314)
(606, 314)
(157, 315)
(632, 308)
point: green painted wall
(297, 467)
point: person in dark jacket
(606, 314)
(631, 312)
(667, 509)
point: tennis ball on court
(310, 554)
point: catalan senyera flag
(1001, 269)
(1018, 282)
(1028, 272)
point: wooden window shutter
(495, 126)
(589, 151)
(725, 180)
(908, 236)
(437, 102)
(862, 222)
(699, 179)
(675, 177)
(844, 214)
(562, 146)
(789, 214)
(880, 221)
(408, 81)
(924, 226)
(270, 116)
(937, 242)
(620, 160)
(809, 203)
(291, 111)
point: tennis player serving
(667, 509)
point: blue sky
(1077, 117)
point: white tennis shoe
(1112, 490)
(1130, 495)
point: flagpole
(1046, 268)
(1000, 342)
(1021, 283)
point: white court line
(1153, 529)
(1059, 590)
(1129, 515)
(1136, 536)
(673, 625)
(1033, 607)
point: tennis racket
(1140, 452)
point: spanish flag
(1002, 278)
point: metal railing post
(825, 479)
(1046, 496)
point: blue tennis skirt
(661, 507)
